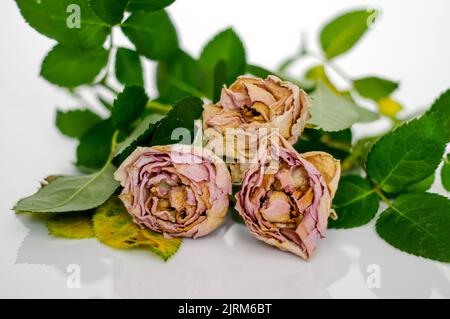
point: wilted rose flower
(177, 190)
(287, 205)
(248, 105)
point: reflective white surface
(410, 44)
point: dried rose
(177, 190)
(288, 205)
(248, 105)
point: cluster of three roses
(285, 197)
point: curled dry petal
(177, 190)
(288, 205)
(249, 104)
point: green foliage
(355, 203)
(114, 227)
(69, 67)
(128, 67)
(71, 225)
(225, 46)
(56, 19)
(75, 123)
(398, 165)
(152, 33)
(182, 118)
(148, 5)
(342, 33)
(407, 155)
(128, 106)
(333, 113)
(95, 146)
(110, 11)
(375, 88)
(418, 224)
(73, 193)
(445, 174)
(178, 77)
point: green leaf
(333, 113)
(337, 144)
(95, 146)
(418, 224)
(128, 106)
(57, 19)
(421, 186)
(318, 73)
(445, 174)
(148, 5)
(72, 67)
(114, 227)
(178, 77)
(355, 203)
(181, 117)
(73, 193)
(375, 88)
(140, 133)
(75, 123)
(110, 11)
(441, 107)
(71, 225)
(128, 67)
(343, 32)
(407, 155)
(228, 47)
(152, 33)
(220, 77)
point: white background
(410, 43)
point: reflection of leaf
(407, 155)
(356, 203)
(335, 113)
(418, 224)
(341, 34)
(114, 227)
(74, 193)
(71, 225)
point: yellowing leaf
(318, 73)
(114, 227)
(71, 225)
(389, 107)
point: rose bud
(176, 190)
(288, 205)
(247, 105)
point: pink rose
(248, 105)
(177, 190)
(286, 199)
